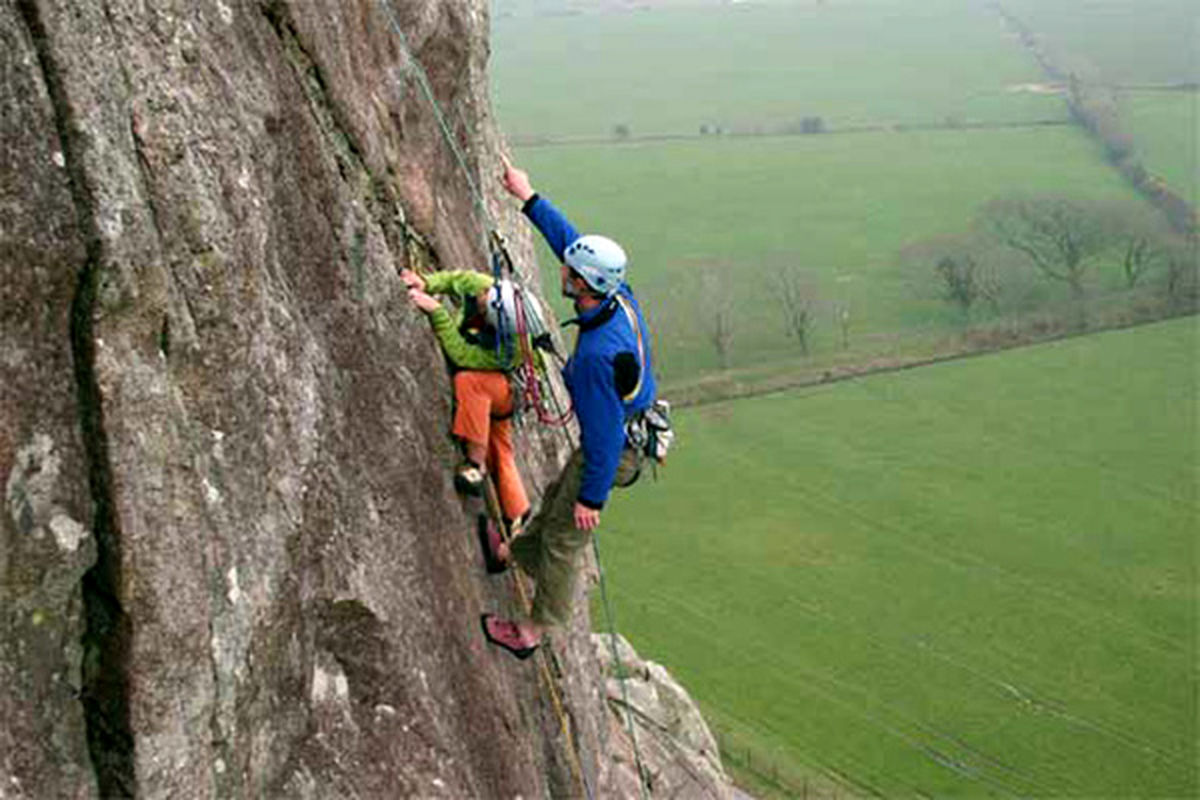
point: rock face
(233, 563)
(676, 748)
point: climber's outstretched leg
(549, 552)
(502, 463)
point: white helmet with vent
(599, 261)
(513, 310)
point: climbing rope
(502, 261)
(447, 134)
(619, 666)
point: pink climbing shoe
(506, 634)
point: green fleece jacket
(463, 285)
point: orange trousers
(483, 416)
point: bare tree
(794, 292)
(1141, 238)
(1182, 279)
(1059, 235)
(841, 315)
(961, 282)
(957, 260)
(1138, 254)
(717, 309)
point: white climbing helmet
(599, 261)
(511, 309)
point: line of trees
(1066, 240)
(1095, 108)
(1093, 105)
(789, 294)
(1043, 263)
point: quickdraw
(519, 346)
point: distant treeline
(1093, 105)
(806, 126)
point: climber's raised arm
(553, 225)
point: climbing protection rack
(530, 373)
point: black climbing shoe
(468, 479)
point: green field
(973, 579)
(838, 206)
(1119, 41)
(671, 70)
(706, 218)
(1166, 127)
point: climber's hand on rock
(424, 301)
(412, 280)
(516, 181)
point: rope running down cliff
(493, 241)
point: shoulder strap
(631, 315)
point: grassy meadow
(1166, 127)
(759, 67)
(709, 218)
(839, 207)
(973, 579)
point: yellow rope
(493, 503)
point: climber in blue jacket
(610, 379)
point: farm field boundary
(756, 382)
(531, 142)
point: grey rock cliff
(232, 563)
(673, 742)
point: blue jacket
(604, 366)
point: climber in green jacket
(473, 340)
